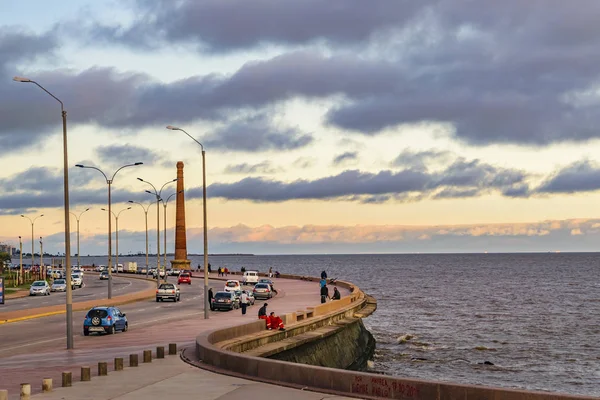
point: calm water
(536, 317)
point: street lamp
(165, 226)
(42, 260)
(77, 218)
(206, 303)
(109, 183)
(32, 222)
(21, 260)
(69, 304)
(146, 214)
(158, 199)
(117, 231)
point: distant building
(6, 248)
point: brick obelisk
(181, 261)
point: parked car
(105, 320)
(250, 277)
(184, 277)
(238, 294)
(232, 285)
(77, 280)
(39, 287)
(168, 291)
(120, 268)
(174, 272)
(225, 301)
(262, 291)
(104, 275)
(59, 285)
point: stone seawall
(350, 347)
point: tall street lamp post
(157, 193)
(21, 260)
(42, 259)
(32, 221)
(109, 183)
(69, 300)
(165, 228)
(206, 303)
(146, 209)
(117, 231)
(77, 218)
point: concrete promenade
(45, 360)
(171, 378)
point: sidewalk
(171, 378)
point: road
(33, 349)
(94, 288)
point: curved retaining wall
(216, 350)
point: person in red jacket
(274, 322)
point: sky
(345, 126)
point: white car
(76, 280)
(250, 277)
(59, 285)
(39, 287)
(120, 268)
(232, 285)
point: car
(232, 285)
(59, 285)
(168, 291)
(251, 300)
(104, 275)
(266, 280)
(184, 277)
(174, 272)
(262, 291)
(225, 301)
(77, 280)
(120, 268)
(250, 277)
(39, 287)
(104, 320)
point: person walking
(244, 302)
(210, 299)
(270, 272)
(324, 294)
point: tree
(4, 259)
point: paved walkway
(171, 378)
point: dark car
(104, 320)
(225, 301)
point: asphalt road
(93, 288)
(41, 334)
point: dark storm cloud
(216, 25)
(264, 167)
(347, 156)
(582, 176)
(256, 133)
(461, 179)
(126, 154)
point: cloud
(117, 154)
(581, 176)
(421, 159)
(264, 167)
(257, 133)
(345, 157)
(460, 179)
(304, 162)
(214, 25)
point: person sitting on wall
(277, 274)
(336, 294)
(262, 313)
(275, 322)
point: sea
(526, 321)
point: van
(250, 277)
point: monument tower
(181, 261)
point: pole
(41, 259)
(69, 305)
(109, 243)
(21, 260)
(32, 258)
(146, 213)
(165, 239)
(78, 254)
(117, 238)
(206, 304)
(157, 241)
